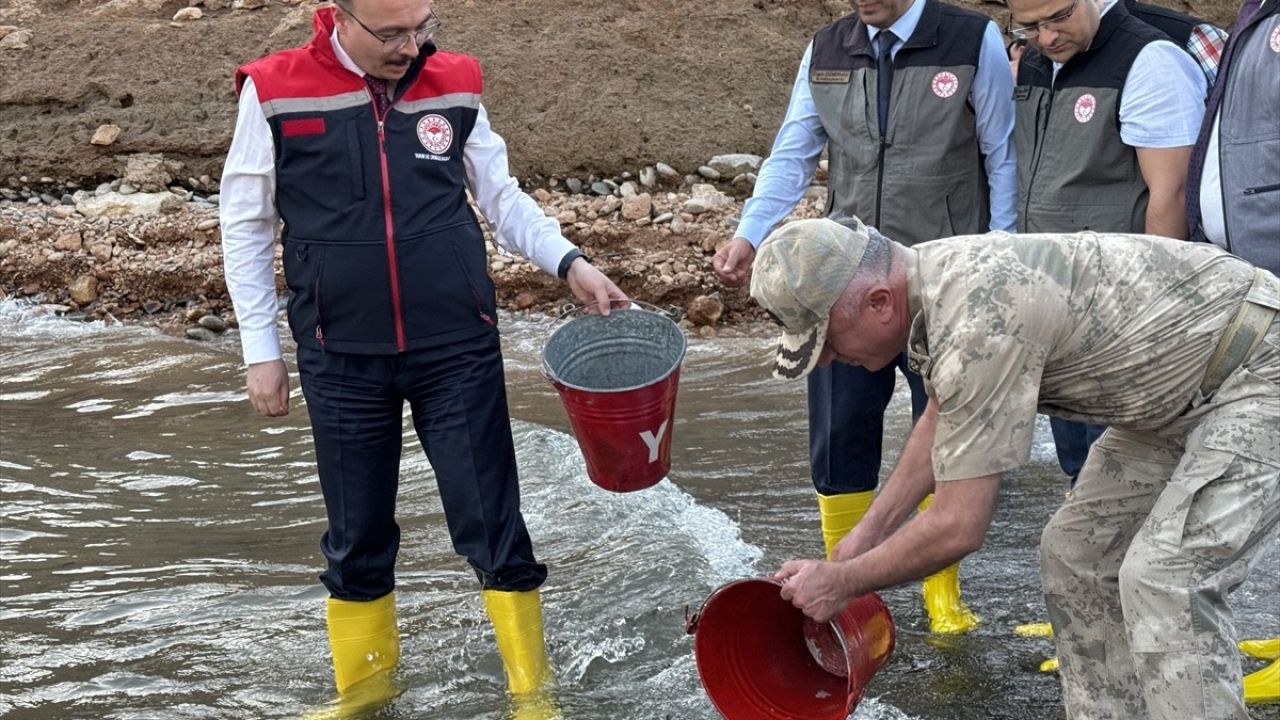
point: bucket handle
(691, 620)
(573, 310)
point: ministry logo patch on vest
(945, 84)
(1085, 107)
(435, 133)
(1275, 40)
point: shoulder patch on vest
(830, 76)
(1275, 40)
(1021, 92)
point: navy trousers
(1072, 441)
(457, 395)
(846, 423)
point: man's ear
(879, 299)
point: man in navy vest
(365, 142)
(911, 100)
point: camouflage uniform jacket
(1113, 329)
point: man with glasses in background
(910, 98)
(365, 142)
(1107, 109)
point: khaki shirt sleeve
(987, 388)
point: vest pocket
(1262, 189)
(325, 170)
(445, 287)
(304, 274)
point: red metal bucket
(760, 658)
(617, 377)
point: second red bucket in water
(760, 658)
(617, 377)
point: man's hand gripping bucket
(617, 376)
(760, 658)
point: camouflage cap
(800, 271)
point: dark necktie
(884, 75)
(1196, 169)
(378, 88)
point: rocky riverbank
(111, 147)
(147, 246)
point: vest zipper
(879, 181)
(391, 234)
(319, 303)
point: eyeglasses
(1022, 32)
(418, 37)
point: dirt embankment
(585, 92)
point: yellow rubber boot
(366, 648)
(363, 638)
(1263, 686)
(1034, 630)
(947, 612)
(840, 513)
(360, 700)
(517, 624)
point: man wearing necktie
(366, 142)
(912, 101)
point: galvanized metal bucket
(617, 377)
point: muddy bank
(578, 87)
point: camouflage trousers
(1160, 527)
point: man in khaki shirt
(1174, 346)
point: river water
(159, 546)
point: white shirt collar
(905, 25)
(344, 58)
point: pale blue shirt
(799, 142)
(1162, 103)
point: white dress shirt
(249, 218)
(799, 142)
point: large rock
(13, 38)
(117, 205)
(84, 290)
(71, 242)
(735, 164)
(707, 197)
(102, 250)
(105, 135)
(637, 207)
(149, 172)
(705, 310)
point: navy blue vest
(382, 253)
